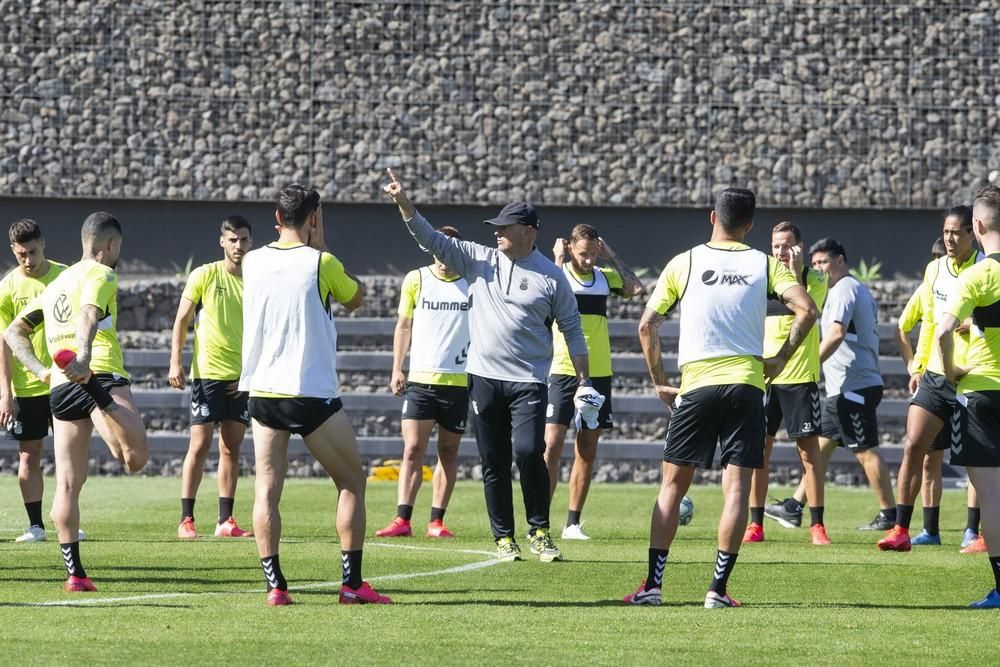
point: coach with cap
(516, 294)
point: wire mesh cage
(810, 102)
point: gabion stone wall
(833, 103)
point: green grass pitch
(161, 601)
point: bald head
(987, 208)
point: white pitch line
(458, 569)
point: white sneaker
(33, 534)
(574, 531)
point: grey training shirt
(514, 303)
(854, 364)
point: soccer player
(932, 407)
(793, 396)
(80, 310)
(24, 399)
(592, 285)
(976, 294)
(433, 325)
(849, 354)
(213, 298)
(290, 371)
(788, 512)
(722, 288)
(517, 293)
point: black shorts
(979, 414)
(730, 415)
(71, 403)
(937, 396)
(211, 404)
(301, 416)
(562, 389)
(798, 405)
(850, 418)
(445, 404)
(34, 417)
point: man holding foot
(90, 387)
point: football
(687, 510)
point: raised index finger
(392, 175)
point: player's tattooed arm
(631, 285)
(805, 312)
(18, 339)
(649, 338)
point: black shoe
(781, 513)
(882, 521)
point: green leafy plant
(868, 273)
(185, 271)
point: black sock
(792, 505)
(35, 514)
(932, 516)
(972, 522)
(724, 563)
(187, 508)
(351, 567)
(757, 515)
(904, 514)
(225, 508)
(995, 566)
(272, 572)
(892, 515)
(437, 514)
(404, 511)
(71, 558)
(816, 515)
(657, 563)
(573, 518)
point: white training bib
(440, 335)
(724, 304)
(289, 337)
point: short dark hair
(786, 226)
(235, 222)
(937, 248)
(448, 230)
(296, 202)
(24, 231)
(584, 231)
(830, 246)
(734, 208)
(963, 213)
(100, 226)
(989, 197)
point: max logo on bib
(727, 277)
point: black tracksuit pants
(509, 420)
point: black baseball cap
(519, 212)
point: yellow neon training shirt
(591, 291)
(670, 288)
(334, 284)
(86, 283)
(804, 365)
(16, 291)
(218, 329)
(409, 296)
(933, 362)
(977, 295)
(912, 315)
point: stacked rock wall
(832, 103)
